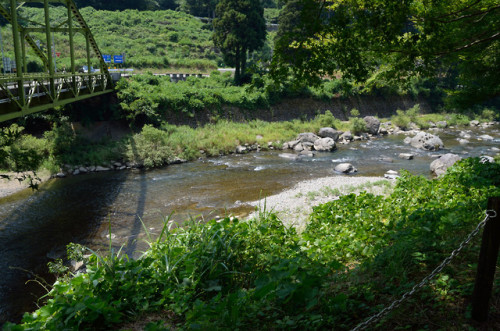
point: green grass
(356, 255)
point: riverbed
(36, 226)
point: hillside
(150, 39)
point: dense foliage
(454, 41)
(357, 253)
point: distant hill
(150, 39)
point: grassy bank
(356, 255)
(156, 146)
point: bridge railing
(34, 92)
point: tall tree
(239, 28)
(407, 37)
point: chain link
(397, 303)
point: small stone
(463, 141)
(474, 123)
(345, 168)
(485, 137)
(76, 172)
(289, 156)
(83, 170)
(60, 175)
(241, 149)
(442, 124)
(100, 168)
(487, 159)
(464, 135)
(406, 156)
(392, 172)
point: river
(36, 226)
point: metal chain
(397, 303)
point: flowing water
(36, 226)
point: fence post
(487, 264)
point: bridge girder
(27, 93)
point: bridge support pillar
(18, 53)
(50, 51)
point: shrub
(327, 120)
(357, 125)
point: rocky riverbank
(294, 206)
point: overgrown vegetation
(356, 255)
(161, 144)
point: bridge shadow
(35, 229)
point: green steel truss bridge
(23, 93)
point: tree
(456, 39)
(239, 28)
(295, 29)
(204, 8)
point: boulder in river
(307, 137)
(324, 144)
(372, 124)
(329, 133)
(439, 166)
(427, 141)
(345, 168)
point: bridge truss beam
(26, 93)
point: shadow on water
(36, 229)
(131, 245)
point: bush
(327, 120)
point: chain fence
(398, 302)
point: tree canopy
(454, 39)
(239, 28)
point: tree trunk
(243, 62)
(237, 71)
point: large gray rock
(372, 124)
(329, 133)
(427, 141)
(307, 137)
(439, 166)
(345, 168)
(324, 145)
